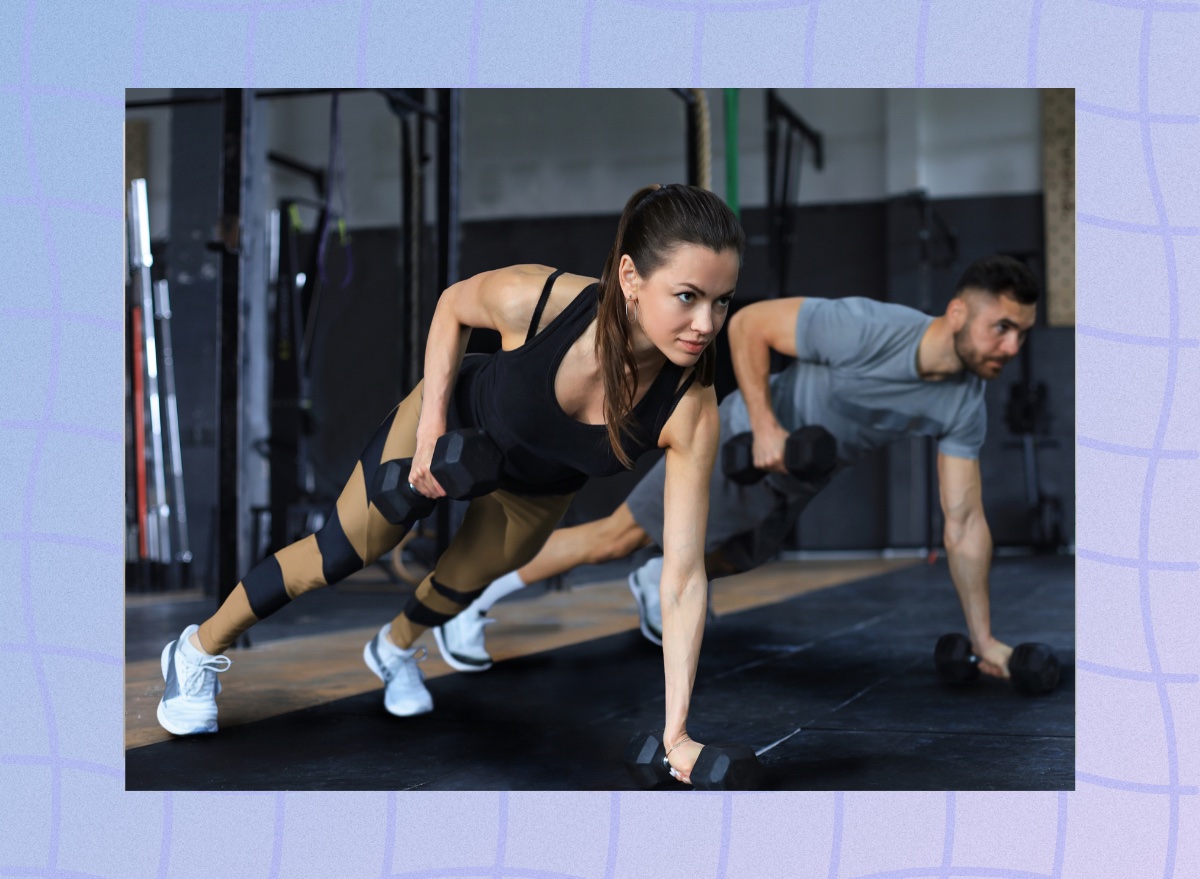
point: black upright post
(693, 142)
(287, 471)
(409, 370)
(783, 223)
(235, 128)
(692, 133)
(449, 111)
(449, 120)
(424, 296)
(774, 230)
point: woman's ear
(628, 275)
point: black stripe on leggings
(374, 450)
(338, 558)
(463, 598)
(264, 588)
(424, 616)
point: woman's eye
(686, 298)
(724, 301)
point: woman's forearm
(444, 350)
(684, 605)
(691, 443)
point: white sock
(193, 645)
(390, 646)
(498, 588)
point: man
(870, 373)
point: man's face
(994, 331)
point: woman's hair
(656, 221)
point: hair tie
(661, 187)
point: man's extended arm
(969, 552)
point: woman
(591, 374)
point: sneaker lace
(407, 664)
(202, 675)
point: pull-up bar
(397, 96)
(781, 117)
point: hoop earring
(633, 319)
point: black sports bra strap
(541, 306)
(665, 413)
(683, 389)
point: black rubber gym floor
(836, 690)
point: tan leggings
(501, 532)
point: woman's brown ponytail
(656, 220)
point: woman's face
(683, 304)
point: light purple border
(63, 68)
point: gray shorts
(748, 523)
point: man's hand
(769, 443)
(993, 657)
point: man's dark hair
(1001, 275)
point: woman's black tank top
(510, 394)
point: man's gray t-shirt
(856, 375)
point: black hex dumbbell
(1034, 668)
(719, 767)
(809, 453)
(466, 463)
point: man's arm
(969, 552)
(754, 332)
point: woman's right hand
(419, 476)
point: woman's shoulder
(694, 416)
(519, 289)
(532, 277)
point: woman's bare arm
(690, 437)
(496, 300)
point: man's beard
(971, 359)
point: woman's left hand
(682, 758)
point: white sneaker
(461, 641)
(189, 701)
(643, 583)
(404, 691)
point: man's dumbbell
(809, 453)
(719, 767)
(1034, 668)
(465, 463)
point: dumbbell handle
(437, 469)
(395, 497)
(810, 440)
(1032, 668)
(465, 464)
